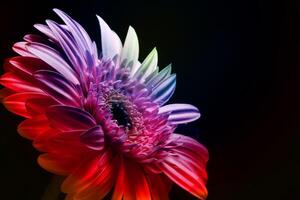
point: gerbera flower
(100, 119)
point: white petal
(130, 50)
(111, 43)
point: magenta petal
(57, 87)
(93, 138)
(66, 118)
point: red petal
(185, 165)
(18, 83)
(57, 164)
(119, 185)
(135, 185)
(28, 65)
(160, 186)
(86, 171)
(16, 103)
(31, 128)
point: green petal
(148, 66)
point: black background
(237, 61)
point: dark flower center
(120, 114)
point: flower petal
(16, 103)
(66, 118)
(57, 87)
(31, 128)
(93, 138)
(180, 113)
(162, 75)
(28, 65)
(20, 48)
(111, 43)
(83, 42)
(160, 186)
(163, 92)
(185, 164)
(68, 44)
(135, 186)
(54, 59)
(17, 83)
(148, 66)
(130, 51)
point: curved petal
(163, 92)
(111, 43)
(16, 103)
(28, 65)
(147, 67)
(93, 138)
(87, 173)
(66, 118)
(185, 164)
(18, 83)
(135, 188)
(130, 51)
(57, 87)
(160, 186)
(180, 113)
(54, 59)
(20, 48)
(162, 75)
(31, 128)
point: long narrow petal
(155, 80)
(57, 87)
(130, 50)
(148, 66)
(66, 118)
(180, 113)
(54, 59)
(17, 83)
(111, 44)
(185, 164)
(20, 48)
(160, 186)
(28, 65)
(135, 188)
(16, 103)
(163, 92)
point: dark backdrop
(237, 61)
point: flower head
(100, 119)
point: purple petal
(73, 27)
(54, 59)
(56, 86)
(93, 138)
(67, 118)
(180, 113)
(68, 44)
(46, 30)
